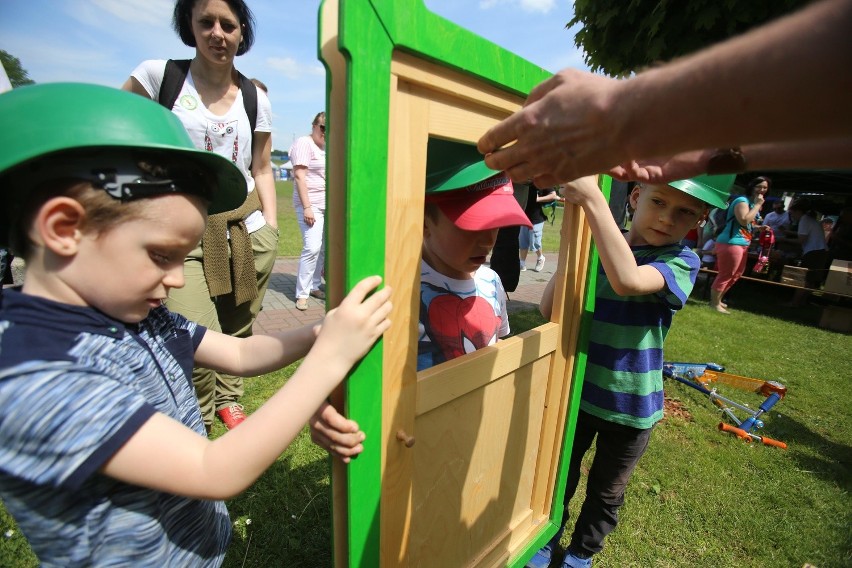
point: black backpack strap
(175, 75)
(249, 90)
(173, 78)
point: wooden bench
(712, 273)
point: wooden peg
(405, 438)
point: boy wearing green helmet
(104, 458)
(646, 276)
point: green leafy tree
(18, 76)
(620, 36)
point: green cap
(713, 190)
(453, 165)
(51, 123)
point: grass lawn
(289, 240)
(698, 497)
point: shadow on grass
(766, 300)
(289, 509)
(813, 452)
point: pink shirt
(305, 152)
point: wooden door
(462, 461)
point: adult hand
(567, 129)
(308, 216)
(338, 435)
(663, 170)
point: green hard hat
(453, 165)
(713, 190)
(51, 126)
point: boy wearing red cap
(462, 301)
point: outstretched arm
(626, 277)
(809, 154)
(576, 123)
(167, 456)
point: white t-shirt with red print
(229, 135)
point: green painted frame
(370, 31)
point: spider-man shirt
(458, 316)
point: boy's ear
(57, 225)
(633, 198)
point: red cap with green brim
(486, 204)
(472, 195)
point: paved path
(279, 304)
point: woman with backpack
(223, 112)
(733, 240)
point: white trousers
(312, 258)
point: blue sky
(101, 41)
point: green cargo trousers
(217, 390)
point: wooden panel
(474, 464)
(567, 311)
(406, 175)
(458, 86)
(442, 383)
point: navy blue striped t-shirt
(75, 385)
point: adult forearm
(301, 184)
(746, 214)
(799, 68)
(824, 153)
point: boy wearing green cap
(646, 276)
(104, 459)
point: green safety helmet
(713, 190)
(59, 130)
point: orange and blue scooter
(701, 376)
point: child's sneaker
(539, 264)
(544, 555)
(571, 560)
(523, 266)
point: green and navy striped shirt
(623, 382)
